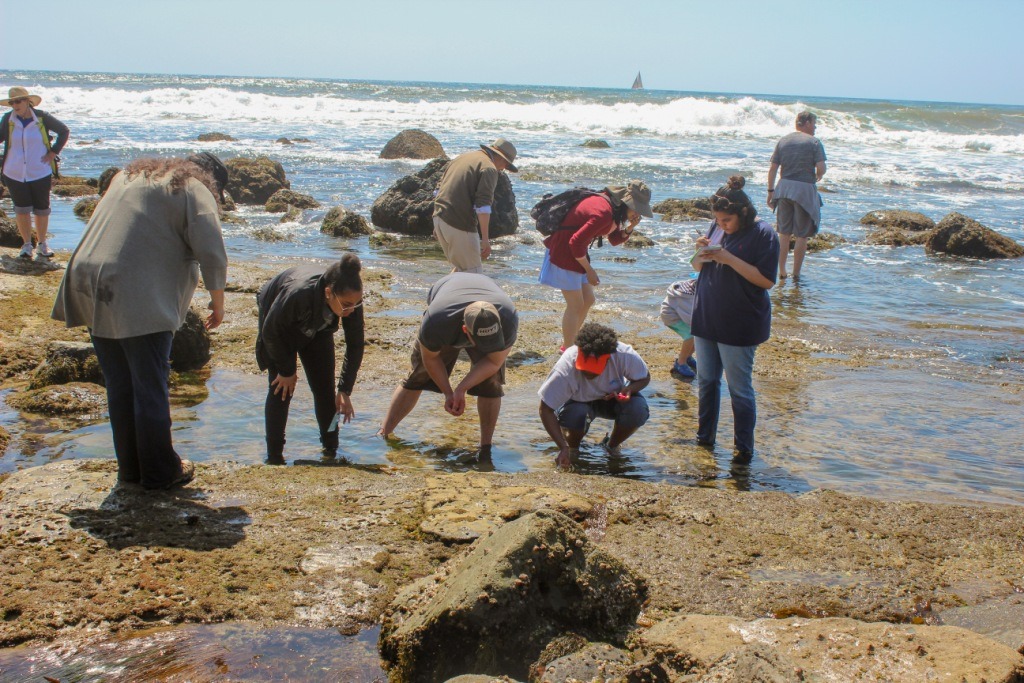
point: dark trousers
(136, 370)
(317, 360)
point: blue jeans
(738, 364)
(136, 370)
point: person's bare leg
(620, 434)
(783, 254)
(571, 319)
(402, 403)
(42, 223)
(24, 223)
(686, 350)
(488, 408)
(799, 250)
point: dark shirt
(728, 308)
(446, 305)
(293, 309)
(798, 153)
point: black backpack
(552, 209)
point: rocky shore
(333, 547)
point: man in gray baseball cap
(463, 202)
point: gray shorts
(793, 220)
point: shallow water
(201, 654)
(928, 419)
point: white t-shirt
(565, 383)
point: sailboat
(638, 84)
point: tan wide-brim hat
(636, 195)
(17, 93)
(506, 150)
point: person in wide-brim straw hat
(464, 201)
(506, 150)
(19, 93)
(30, 164)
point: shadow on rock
(132, 516)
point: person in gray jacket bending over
(130, 281)
(795, 199)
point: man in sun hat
(465, 311)
(30, 164)
(598, 377)
(464, 199)
(795, 199)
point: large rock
(718, 648)
(959, 235)
(190, 349)
(903, 220)
(341, 222)
(532, 580)
(638, 240)
(412, 144)
(676, 210)
(895, 237)
(282, 199)
(67, 362)
(407, 206)
(254, 181)
(85, 207)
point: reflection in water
(219, 652)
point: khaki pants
(461, 248)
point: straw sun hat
(17, 93)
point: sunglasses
(18, 101)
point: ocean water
(936, 417)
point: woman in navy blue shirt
(738, 262)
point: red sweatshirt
(593, 215)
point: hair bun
(736, 182)
(351, 263)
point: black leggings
(318, 364)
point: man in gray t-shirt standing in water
(795, 199)
(465, 311)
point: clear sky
(947, 50)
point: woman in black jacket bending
(299, 312)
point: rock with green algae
(494, 612)
(67, 362)
(283, 199)
(73, 398)
(254, 181)
(897, 218)
(341, 222)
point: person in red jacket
(613, 213)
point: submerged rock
(959, 235)
(677, 210)
(823, 241)
(407, 207)
(73, 186)
(895, 218)
(341, 222)
(413, 144)
(254, 181)
(284, 198)
(67, 362)
(190, 349)
(530, 581)
(595, 144)
(63, 399)
(638, 240)
(896, 237)
(215, 137)
(85, 207)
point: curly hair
(595, 339)
(154, 168)
(731, 199)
